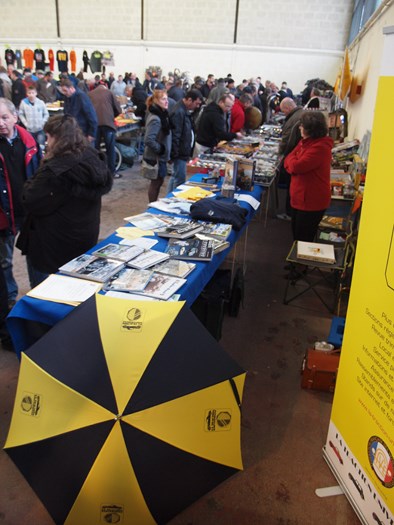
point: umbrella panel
(56, 468)
(187, 359)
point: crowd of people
(53, 174)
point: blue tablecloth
(28, 310)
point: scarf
(163, 116)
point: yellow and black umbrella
(126, 412)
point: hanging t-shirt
(51, 58)
(85, 59)
(73, 60)
(39, 57)
(62, 60)
(9, 57)
(108, 58)
(95, 61)
(18, 56)
(28, 57)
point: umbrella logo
(30, 404)
(217, 420)
(111, 513)
(133, 321)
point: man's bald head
(287, 105)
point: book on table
(175, 268)
(182, 230)
(245, 174)
(216, 230)
(331, 221)
(314, 251)
(217, 244)
(129, 280)
(147, 259)
(190, 249)
(91, 267)
(121, 252)
(162, 287)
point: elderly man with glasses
(212, 124)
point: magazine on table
(146, 221)
(217, 230)
(190, 249)
(91, 267)
(217, 244)
(120, 252)
(147, 259)
(171, 205)
(183, 229)
(129, 280)
(162, 287)
(175, 267)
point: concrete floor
(283, 427)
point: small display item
(121, 252)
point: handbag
(319, 370)
(149, 171)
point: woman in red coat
(309, 165)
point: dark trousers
(304, 224)
(4, 337)
(107, 135)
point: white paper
(61, 288)
(143, 242)
(129, 296)
(249, 199)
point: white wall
(282, 40)
(365, 63)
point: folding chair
(336, 229)
(318, 277)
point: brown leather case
(319, 370)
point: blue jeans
(6, 254)
(108, 136)
(178, 175)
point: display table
(30, 317)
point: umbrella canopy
(126, 412)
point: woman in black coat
(63, 200)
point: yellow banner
(360, 443)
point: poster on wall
(360, 441)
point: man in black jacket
(211, 127)
(18, 90)
(182, 135)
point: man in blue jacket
(78, 105)
(19, 159)
(183, 136)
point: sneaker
(283, 217)
(117, 176)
